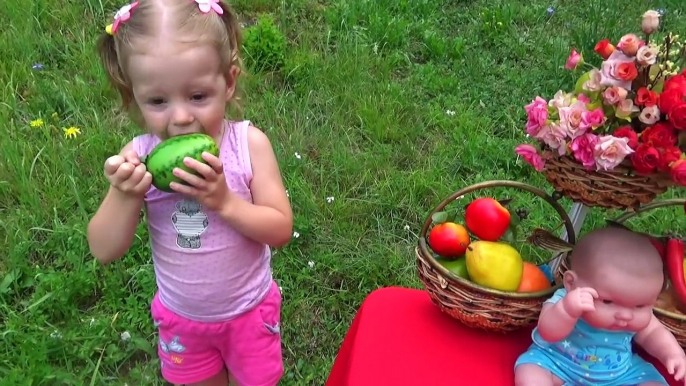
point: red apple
(448, 239)
(487, 219)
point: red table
(398, 337)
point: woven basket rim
(451, 277)
(622, 172)
(669, 314)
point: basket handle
(651, 206)
(569, 226)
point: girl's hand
(127, 174)
(209, 188)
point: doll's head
(626, 271)
(175, 63)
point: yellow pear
(494, 264)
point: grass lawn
(378, 110)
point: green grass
(362, 98)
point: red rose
(669, 99)
(678, 172)
(646, 159)
(629, 133)
(604, 48)
(678, 116)
(660, 134)
(645, 97)
(676, 82)
(627, 71)
(667, 156)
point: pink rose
(625, 108)
(592, 119)
(573, 60)
(537, 115)
(610, 151)
(646, 55)
(613, 95)
(629, 44)
(583, 99)
(561, 99)
(650, 115)
(593, 82)
(583, 148)
(530, 155)
(609, 70)
(553, 135)
(650, 22)
(571, 118)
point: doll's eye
(606, 301)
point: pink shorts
(249, 346)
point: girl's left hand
(211, 192)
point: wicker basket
(616, 189)
(674, 321)
(474, 305)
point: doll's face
(625, 301)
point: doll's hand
(209, 188)
(127, 174)
(579, 300)
(676, 366)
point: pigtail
(107, 51)
(235, 36)
(233, 31)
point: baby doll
(585, 330)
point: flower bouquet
(618, 139)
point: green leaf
(143, 344)
(509, 236)
(514, 218)
(439, 217)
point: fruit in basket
(457, 266)
(448, 239)
(533, 279)
(494, 264)
(487, 219)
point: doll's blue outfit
(590, 356)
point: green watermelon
(169, 154)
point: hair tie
(206, 6)
(121, 16)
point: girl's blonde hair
(222, 31)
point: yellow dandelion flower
(37, 123)
(71, 132)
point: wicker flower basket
(474, 305)
(619, 188)
(674, 320)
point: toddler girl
(175, 64)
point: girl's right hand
(127, 174)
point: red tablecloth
(398, 337)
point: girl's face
(180, 88)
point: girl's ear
(231, 77)
(569, 280)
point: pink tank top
(206, 270)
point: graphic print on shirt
(189, 223)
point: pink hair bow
(121, 16)
(209, 5)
